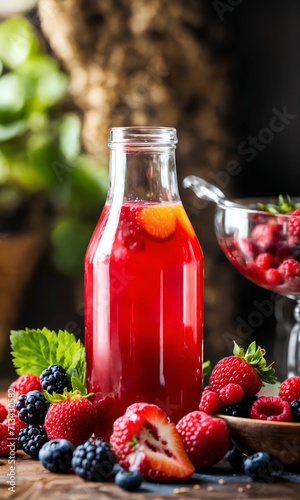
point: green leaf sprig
(255, 356)
(283, 206)
(34, 350)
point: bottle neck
(143, 174)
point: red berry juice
(143, 311)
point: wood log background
(134, 62)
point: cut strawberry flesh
(148, 442)
(160, 453)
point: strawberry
(206, 439)
(294, 223)
(144, 439)
(26, 383)
(158, 220)
(249, 370)
(290, 389)
(70, 416)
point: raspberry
(294, 223)
(5, 448)
(241, 409)
(248, 248)
(271, 408)
(32, 407)
(133, 236)
(264, 261)
(265, 235)
(295, 409)
(273, 277)
(54, 379)
(290, 389)
(56, 455)
(3, 431)
(289, 268)
(231, 394)
(13, 424)
(31, 440)
(93, 460)
(210, 402)
(206, 439)
(26, 383)
(3, 412)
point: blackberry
(240, 409)
(54, 379)
(32, 407)
(31, 439)
(129, 480)
(295, 409)
(56, 455)
(93, 460)
(258, 466)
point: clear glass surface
(264, 248)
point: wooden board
(33, 482)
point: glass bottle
(143, 285)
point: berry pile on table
(57, 428)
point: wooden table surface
(33, 482)
(27, 479)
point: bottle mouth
(142, 136)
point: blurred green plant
(40, 150)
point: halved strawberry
(158, 220)
(143, 439)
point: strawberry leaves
(34, 350)
(255, 356)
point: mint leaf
(34, 350)
(206, 368)
(78, 386)
(284, 205)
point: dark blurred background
(220, 72)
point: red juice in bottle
(143, 303)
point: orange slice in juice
(184, 221)
(159, 221)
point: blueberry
(295, 408)
(258, 466)
(235, 459)
(129, 480)
(56, 455)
